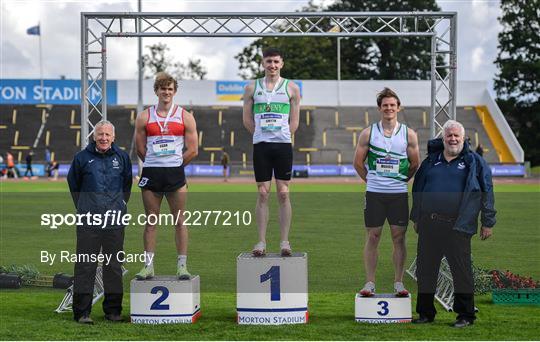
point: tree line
(398, 58)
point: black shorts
(162, 179)
(273, 158)
(382, 206)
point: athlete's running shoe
(182, 273)
(400, 290)
(368, 290)
(259, 249)
(285, 247)
(147, 272)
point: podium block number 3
(275, 286)
(156, 305)
(384, 308)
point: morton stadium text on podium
(165, 300)
(272, 289)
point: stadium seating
(22, 125)
(326, 135)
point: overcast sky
(60, 29)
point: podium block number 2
(275, 286)
(156, 305)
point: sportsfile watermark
(196, 218)
(64, 256)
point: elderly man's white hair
(103, 123)
(453, 124)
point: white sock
(149, 259)
(182, 260)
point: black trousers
(29, 170)
(437, 238)
(90, 241)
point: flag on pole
(34, 30)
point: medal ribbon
(387, 147)
(169, 116)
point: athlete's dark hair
(387, 92)
(271, 52)
(163, 80)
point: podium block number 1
(156, 305)
(271, 290)
(275, 283)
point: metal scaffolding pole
(97, 27)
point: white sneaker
(259, 249)
(400, 289)
(285, 247)
(147, 272)
(368, 290)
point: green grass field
(327, 224)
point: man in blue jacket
(100, 183)
(452, 186)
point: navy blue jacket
(477, 196)
(100, 181)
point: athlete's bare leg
(177, 203)
(371, 251)
(400, 251)
(152, 204)
(225, 178)
(285, 210)
(261, 209)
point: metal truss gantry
(445, 284)
(440, 27)
(66, 304)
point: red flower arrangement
(509, 280)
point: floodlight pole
(42, 97)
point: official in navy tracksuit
(451, 188)
(99, 180)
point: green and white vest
(271, 118)
(387, 161)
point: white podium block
(165, 300)
(383, 308)
(272, 290)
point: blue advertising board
(348, 170)
(327, 170)
(63, 170)
(233, 90)
(59, 92)
(509, 170)
(205, 170)
(230, 90)
(37, 169)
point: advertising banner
(59, 92)
(233, 90)
(511, 170)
